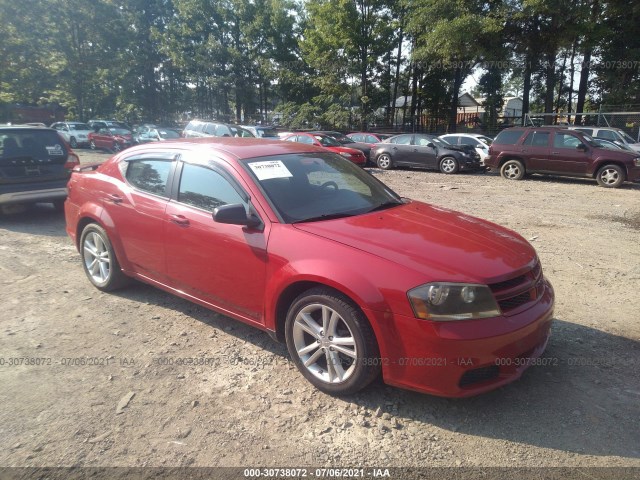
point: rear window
(43, 145)
(508, 137)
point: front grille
(518, 291)
(478, 375)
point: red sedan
(330, 143)
(301, 243)
(111, 138)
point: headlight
(453, 301)
(637, 161)
(345, 154)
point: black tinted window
(204, 188)
(41, 145)
(508, 137)
(537, 139)
(149, 175)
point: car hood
(441, 244)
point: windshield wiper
(385, 205)
(326, 216)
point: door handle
(180, 220)
(555, 153)
(114, 198)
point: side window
(508, 137)
(468, 141)
(223, 131)
(371, 139)
(537, 139)
(150, 175)
(209, 129)
(422, 141)
(292, 138)
(607, 135)
(204, 188)
(588, 131)
(305, 139)
(564, 140)
(357, 138)
(402, 140)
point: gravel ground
(127, 406)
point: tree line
(332, 63)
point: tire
(312, 319)
(116, 147)
(449, 165)
(73, 142)
(92, 145)
(512, 170)
(610, 176)
(99, 260)
(384, 161)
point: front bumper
(462, 358)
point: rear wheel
(99, 260)
(116, 147)
(73, 142)
(449, 165)
(610, 176)
(512, 170)
(331, 342)
(384, 161)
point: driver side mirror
(430, 144)
(582, 147)
(235, 214)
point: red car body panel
(245, 272)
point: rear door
(137, 208)
(402, 149)
(536, 151)
(32, 156)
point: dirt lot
(250, 407)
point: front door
(221, 264)
(569, 154)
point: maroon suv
(518, 151)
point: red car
(330, 143)
(111, 138)
(299, 242)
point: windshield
(318, 186)
(327, 141)
(79, 126)
(168, 134)
(626, 137)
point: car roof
(19, 126)
(236, 147)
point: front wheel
(73, 142)
(99, 260)
(92, 145)
(512, 170)
(331, 342)
(384, 161)
(610, 176)
(116, 147)
(449, 165)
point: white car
(76, 133)
(480, 142)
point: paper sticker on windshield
(270, 169)
(55, 151)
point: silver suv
(615, 135)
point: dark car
(517, 152)
(200, 128)
(369, 138)
(111, 138)
(424, 151)
(303, 244)
(35, 165)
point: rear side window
(508, 137)
(45, 145)
(537, 139)
(607, 135)
(150, 175)
(401, 140)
